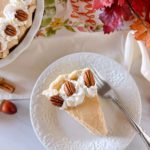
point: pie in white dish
(16, 18)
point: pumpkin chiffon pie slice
(76, 94)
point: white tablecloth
(16, 131)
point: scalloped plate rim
(78, 53)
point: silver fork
(105, 90)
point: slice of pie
(76, 93)
(15, 20)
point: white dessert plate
(58, 131)
(29, 36)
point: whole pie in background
(16, 18)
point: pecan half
(10, 30)
(89, 78)
(21, 15)
(69, 88)
(57, 100)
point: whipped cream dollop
(9, 18)
(50, 92)
(10, 11)
(3, 24)
(78, 97)
(89, 91)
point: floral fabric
(72, 15)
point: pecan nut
(69, 88)
(21, 15)
(57, 100)
(10, 30)
(89, 78)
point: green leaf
(69, 28)
(45, 22)
(98, 27)
(75, 24)
(66, 21)
(50, 12)
(50, 31)
(49, 2)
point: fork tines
(103, 86)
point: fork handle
(139, 130)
